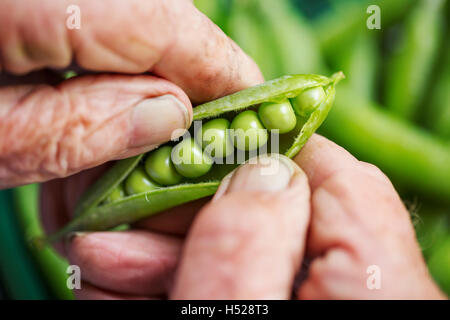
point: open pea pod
(103, 207)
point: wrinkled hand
(250, 240)
(50, 131)
(358, 220)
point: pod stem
(336, 77)
(42, 241)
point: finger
(58, 198)
(362, 206)
(90, 292)
(358, 222)
(131, 262)
(170, 38)
(320, 158)
(213, 64)
(348, 195)
(248, 242)
(54, 132)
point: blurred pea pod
(412, 157)
(439, 108)
(293, 38)
(52, 266)
(254, 36)
(439, 264)
(432, 227)
(216, 10)
(348, 17)
(360, 60)
(432, 230)
(409, 68)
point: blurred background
(392, 110)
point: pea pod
(409, 68)
(93, 213)
(293, 39)
(275, 24)
(360, 62)
(432, 226)
(415, 159)
(439, 109)
(338, 25)
(50, 264)
(246, 27)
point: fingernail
(155, 120)
(72, 235)
(266, 173)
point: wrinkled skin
(88, 121)
(252, 238)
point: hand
(357, 220)
(54, 130)
(250, 240)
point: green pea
(117, 194)
(249, 133)
(307, 101)
(278, 115)
(215, 138)
(160, 168)
(138, 182)
(92, 214)
(189, 159)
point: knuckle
(23, 45)
(369, 201)
(341, 183)
(107, 52)
(349, 182)
(371, 167)
(316, 280)
(373, 170)
(41, 135)
(16, 64)
(220, 65)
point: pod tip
(338, 76)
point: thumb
(49, 132)
(248, 242)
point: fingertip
(269, 172)
(133, 262)
(256, 213)
(159, 119)
(320, 158)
